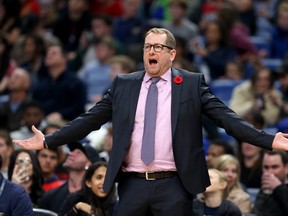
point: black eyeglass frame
(161, 47)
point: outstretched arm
(34, 143)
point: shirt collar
(166, 76)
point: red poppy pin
(178, 80)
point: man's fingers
(285, 135)
(34, 129)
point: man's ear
(172, 55)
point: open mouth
(153, 62)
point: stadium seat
(260, 43)
(43, 212)
(272, 64)
(223, 89)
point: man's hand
(280, 141)
(270, 181)
(33, 143)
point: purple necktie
(147, 151)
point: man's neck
(75, 180)
(56, 71)
(250, 161)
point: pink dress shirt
(164, 159)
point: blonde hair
(222, 179)
(226, 159)
(126, 62)
(170, 40)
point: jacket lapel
(176, 94)
(134, 95)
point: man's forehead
(272, 159)
(155, 38)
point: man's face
(48, 160)
(54, 57)
(76, 160)
(32, 116)
(213, 154)
(273, 164)
(19, 80)
(157, 63)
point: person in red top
(48, 160)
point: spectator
(7, 64)
(32, 115)
(14, 200)
(10, 10)
(180, 25)
(279, 38)
(214, 201)
(216, 50)
(91, 199)
(48, 160)
(184, 56)
(215, 150)
(60, 171)
(79, 159)
(258, 94)
(11, 111)
(70, 25)
(238, 33)
(247, 15)
(230, 167)
(34, 51)
(129, 28)
(24, 170)
(283, 87)
(6, 150)
(96, 74)
(272, 198)
(120, 64)
(107, 147)
(61, 94)
(250, 156)
(234, 70)
(101, 27)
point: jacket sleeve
(80, 127)
(281, 196)
(233, 124)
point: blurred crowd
(59, 57)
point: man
(178, 170)
(6, 150)
(13, 198)
(272, 198)
(215, 150)
(33, 114)
(11, 111)
(62, 94)
(96, 73)
(78, 160)
(48, 161)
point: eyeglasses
(156, 47)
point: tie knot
(155, 79)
